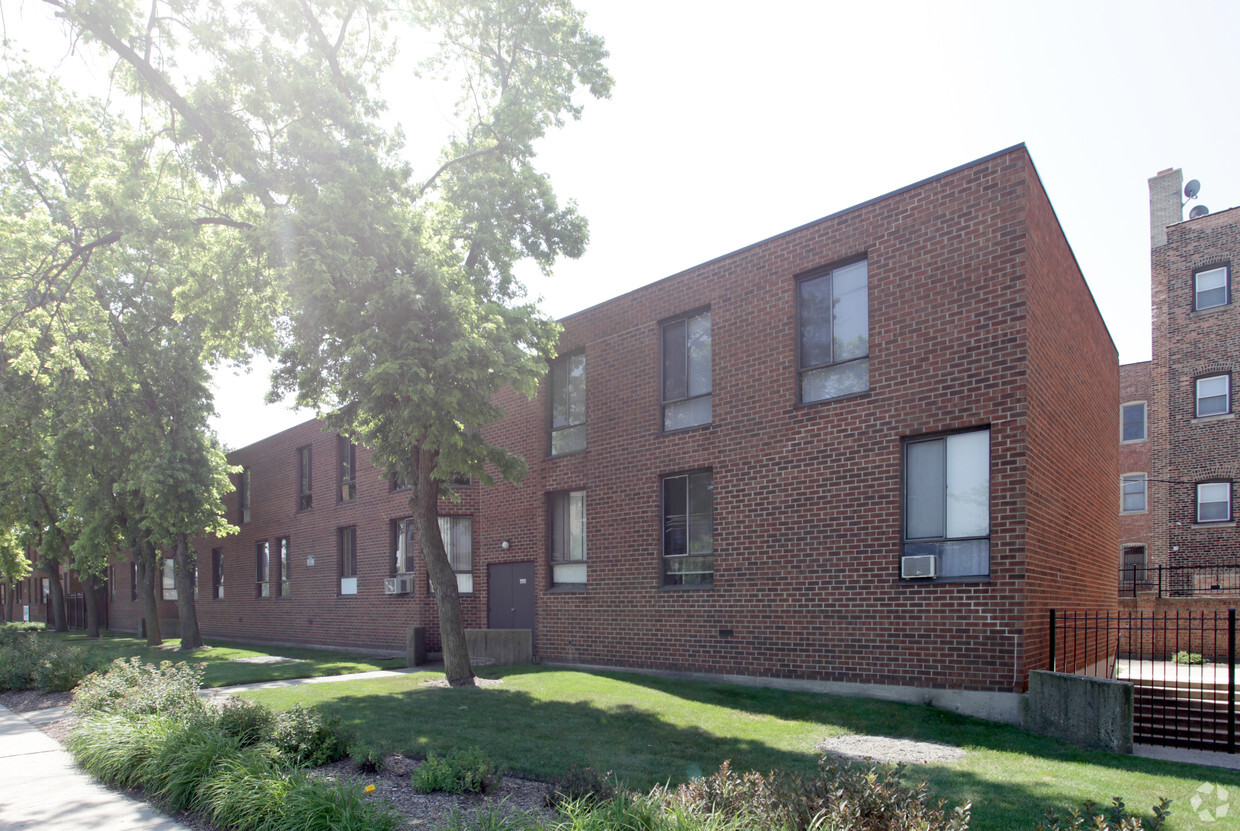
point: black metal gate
(1182, 666)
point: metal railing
(1180, 581)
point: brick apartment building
(1190, 451)
(865, 455)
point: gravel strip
(886, 750)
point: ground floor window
(458, 540)
(566, 537)
(282, 564)
(263, 569)
(689, 529)
(947, 502)
(1134, 564)
(217, 573)
(169, 585)
(347, 538)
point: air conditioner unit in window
(398, 585)
(919, 567)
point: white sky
(731, 122)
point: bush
(310, 805)
(304, 737)
(1092, 816)
(18, 626)
(585, 785)
(132, 687)
(1186, 657)
(464, 771)
(28, 662)
(189, 757)
(246, 721)
(367, 757)
(246, 791)
(120, 749)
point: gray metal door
(510, 593)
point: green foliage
(462, 771)
(247, 791)
(369, 758)
(248, 722)
(120, 749)
(189, 756)
(132, 687)
(581, 784)
(1186, 657)
(14, 627)
(304, 737)
(1115, 817)
(311, 805)
(31, 662)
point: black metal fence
(1182, 665)
(1180, 581)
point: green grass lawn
(222, 668)
(651, 731)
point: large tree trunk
(424, 503)
(56, 595)
(187, 610)
(148, 573)
(89, 584)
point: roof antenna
(1190, 191)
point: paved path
(41, 788)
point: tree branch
(464, 157)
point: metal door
(510, 596)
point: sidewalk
(41, 788)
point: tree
(406, 316)
(14, 564)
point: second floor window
(346, 461)
(833, 322)
(686, 372)
(1210, 288)
(1133, 487)
(243, 496)
(568, 404)
(1213, 395)
(305, 497)
(1214, 502)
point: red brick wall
(1135, 384)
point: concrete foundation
(1092, 712)
(415, 646)
(500, 647)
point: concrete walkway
(41, 788)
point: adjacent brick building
(867, 454)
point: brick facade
(1135, 458)
(978, 319)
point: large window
(262, 569)
(458, 539)
(568, 404)
(1214, 502)
(1210, 288)
(1133, 493)
(243, 496)
(217, 573)
(566, 537)
(1213, 395)
(947, 502)
(834, 329)
(169, 575)
(347, 543)
(689, 529)
(346, 464)
(305, 495)
(1132, 417)
(686, 372)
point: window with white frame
(347, 544)
(947, 501)
(685, 347)
(169, 575)
(1214, 502)
(1210, 288)
(568, 404)
(833, 322)
(689, 529)
(262, 569)
(566, 537)
(1213, 395)
(1132, 418)
(1132, 493)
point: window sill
(704, 426)
(1210, 418)
(849, 397)
(938, 581)
(1205, 526)
(1212, 310)
(1133, 441)
(692, 587)
(567, 454)
(1134, 513)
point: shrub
(367, 757)
(132, 687)
(310, 805)
(120, 749)
(248, 722)
(580, 784)
(1186, 657)
(188, 758)
(1115, 817)
(16, 627)
(246, 791)
(464, 771)
(28, 662)
(304, 737)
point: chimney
(1165, 205)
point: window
(263, 569)
(243, 495)
(217, 574)
(686, 372)
(947, 502)
(566, 538)
(404, 547)
(1133, 493)
(1214, 502)
(834, 330)
(689, 529)
(1132, 419)
(169, 586)
(568, 404)
(1210, 288)
(305, 497)
(1213, 395)
(346, 461)
(282, 565)
(133, 580)
(458, 540)
(348, 559)
(1133, 564)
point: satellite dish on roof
(1198, 212)
(1192, 188)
